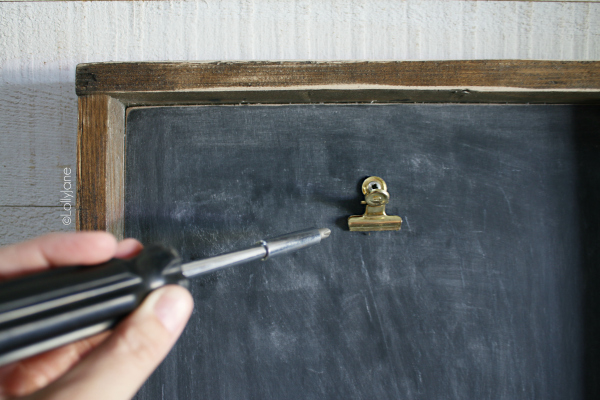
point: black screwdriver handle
(42, 311)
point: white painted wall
(41, 43)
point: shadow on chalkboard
(587, 145)
(351, 206)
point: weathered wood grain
(117, 78)
(115, 168)
(100, 146)
(412, 95)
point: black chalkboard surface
(487, 292)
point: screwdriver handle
(47, 310)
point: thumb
(121, 364)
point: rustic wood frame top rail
(160, 76)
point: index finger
(56, 249)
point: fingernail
(173, 309)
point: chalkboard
(487, 292)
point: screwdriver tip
(324, 232)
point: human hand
(111, 365)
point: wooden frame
(105, 91)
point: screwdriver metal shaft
(263, 250)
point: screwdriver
(43, 311)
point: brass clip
(374, 218)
